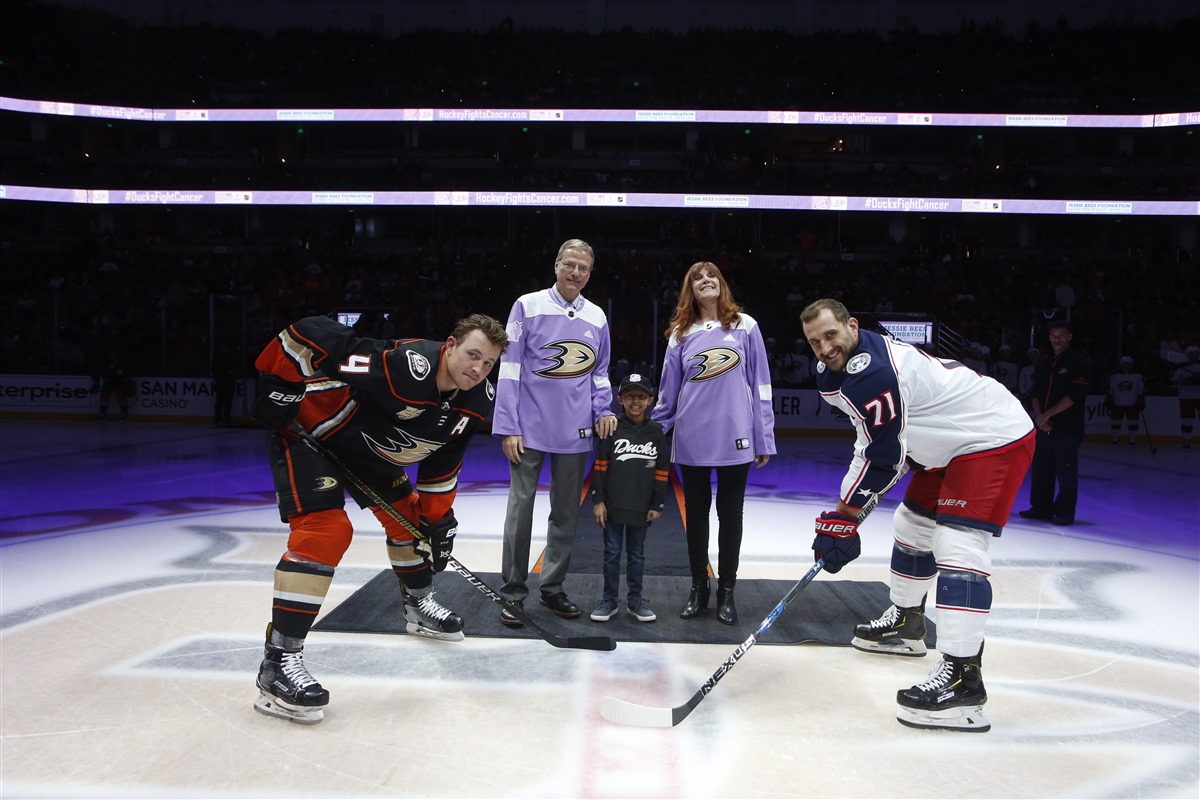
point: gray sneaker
(640, 609)
(604, 612)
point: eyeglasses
(575, 266)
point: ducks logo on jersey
(567, 359)
(713, 363)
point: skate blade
(893, 647)
(967, 719)
(419, 630)
(273, 707)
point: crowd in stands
(79, 288)
(165, 313)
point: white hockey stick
(626, 713)
(623, 712)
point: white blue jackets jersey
(906, 404)
(716, 394)
(1126, 388)
(553, 383)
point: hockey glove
(277, 402)
(438, 541)
(837, 540)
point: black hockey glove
(438, 543)
(277, 402)
(837, 540)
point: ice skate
(899, 632)
(951, 699)
(428, 617)
(287, 690)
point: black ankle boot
(697, 601)
(726, 610)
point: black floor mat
(825, 612)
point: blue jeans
(634, 540)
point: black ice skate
(428, 617)
(899, 632)
(287, 690)
(951, 699)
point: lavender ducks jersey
(553, 382)
(716, 394)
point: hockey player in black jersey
(379, 406)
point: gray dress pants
(566, 482)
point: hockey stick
(625, 713)
(569, 642)
(1149, 440)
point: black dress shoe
(560, 604)
(1057, 520)
(1033, 513)
(510, 619)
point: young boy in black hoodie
(629, 483)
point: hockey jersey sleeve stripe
(336, 422)
(852, 489)
(302, 352)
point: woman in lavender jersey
(715, 395)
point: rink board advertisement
(795, 409)
(73, 394)
(803, 409)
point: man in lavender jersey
(552, 394)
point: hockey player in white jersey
(1126, 399)
(969, 444)
(1187, 378)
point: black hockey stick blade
(625, 713)
(569, 642)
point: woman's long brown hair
(687, 312)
